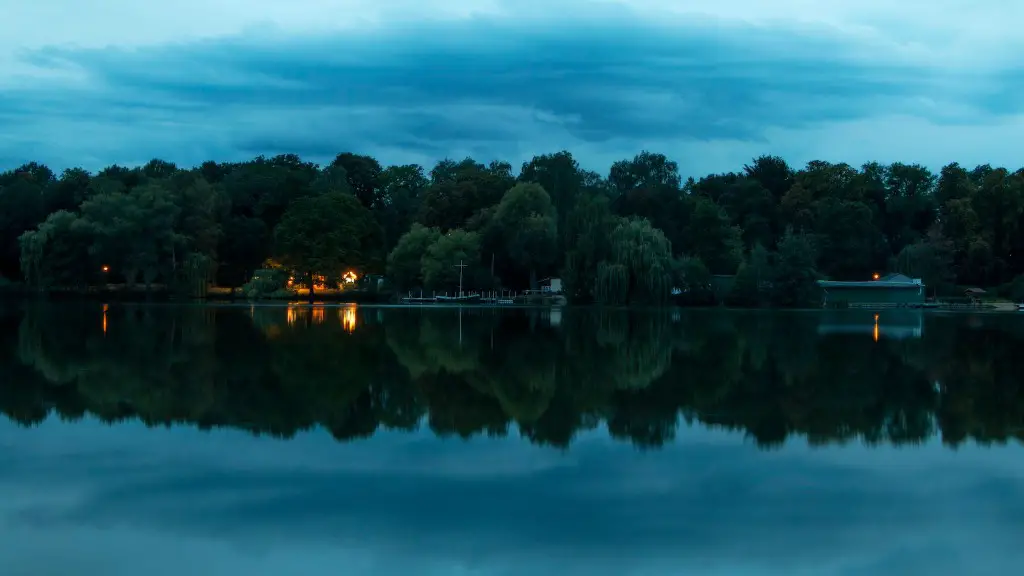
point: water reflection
(283, 369)
(348, 318)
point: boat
(464, 299)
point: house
(551, 286)
(882, 291)
(895, 278)
(974, 294)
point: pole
(461, 267)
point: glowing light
(293, 315)
(105, 308)
(875, 276)
(318, 315)
(350, 277)
(348, 319)
(876, 327)
(105, 268)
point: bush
(267, 283)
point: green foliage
(714, 240)
(180, 228)
(588, 233)
(134, 232)
(265, 283)
(281, 371)
(931, 260)
(795, 273)
(754, 279)
(441, 258)
(693, 279)
(525, 219)
(57, 253)
(405, 263)
(639, 269)
(323, 235)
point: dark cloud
(483, 85)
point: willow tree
(639, 270)
(587, 230)
(56, 254)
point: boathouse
(890, 290)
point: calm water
(166, 440)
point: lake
(271, 440)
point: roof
(895, 278)
(975, 291)
(868, 284)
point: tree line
(277, 372)
(633, 235)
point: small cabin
(974, 294)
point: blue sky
(710, 83)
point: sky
(709, 83)
(123, 500)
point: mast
(461, 267)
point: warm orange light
(106, 268)
(318, 315)
(876, 327)
(875, 276)
(350, 277)
(348, 319)
(105, 308)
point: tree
(133, 233)
(754, 279)
(405, 263)
(930, 259)
(179, 226)
(693, 278)
(561, 177)
(21, 210)
(364, 177)
(243, 247)
(320, 235)
(57, 253)
(459, 190)
(639, 269)
(795, 274)
(526, 219)
(850, 246)
(402, 189)
(773, 173)
(645, 170)
(715, 241)
(445, 254)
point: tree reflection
(480, 371)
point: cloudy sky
(710, 83)
(86, 498)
